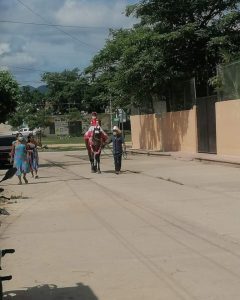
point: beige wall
(180, 131)
(228, 127)
(145, 132)
(175, 131)
(5, 129)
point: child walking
(118, 148)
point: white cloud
(93, 13)
(47, 48)
(4, 48)
(4, 68)
(19, 59)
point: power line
(38, 81)
(42, 82)
(54, 81)
(47, 51)
(27, 69)
(57, 81)
(53, 25)
(57, 28)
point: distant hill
(31, 88)
(42, 89)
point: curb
(149, 153)
(217, 161)
(191, 157)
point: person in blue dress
(21, 159)
(14, 143)
(119, 147)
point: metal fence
(182, 95)
(229, 86)
(179, 95)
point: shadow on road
(109, 172)
(52, 292)
(122, 172)
(50, 181)
(61, 164)
(5, 167)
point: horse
(95, 141)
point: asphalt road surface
(164, 229)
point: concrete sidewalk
(226, 159)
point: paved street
(165, 229)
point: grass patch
(56, 140)
(53, 139)
(61, 149)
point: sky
(28, 50)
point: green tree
(196, 34)
(66, 90)
(174, 40)
(74, 115)
(9, 95)
(31, 109)
(130, 67)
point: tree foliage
(173, 40)
(66, 90)
(31, 109)
(9, 95)
(196, 33)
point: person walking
(21, 159)
(118, 148)
(33, 157)
(14, 144)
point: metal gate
(206, 125)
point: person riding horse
(95, 139)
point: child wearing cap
(118, 148)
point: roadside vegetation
(56, 140)
(171, 41)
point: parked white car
(26, 131)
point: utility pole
(111, 114)
(122, 125)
